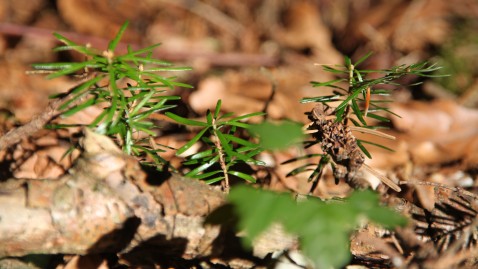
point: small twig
(211, 14)
(273, 91)
(222, 161)
(453, 255)
(214, 59)
(15, 135)
(397, 244)
(438, 185)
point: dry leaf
(401, 25)
(103, 18)
(305, 30)
(438, 132)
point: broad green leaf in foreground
(278, 136)
(323, 228)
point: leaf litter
(435, 158)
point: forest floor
(255, 55)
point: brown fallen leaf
(401, 25)
(438, 132)
(86, 16)
(305, 30)
(428, 133)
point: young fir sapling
(330, 126)
(128, 87)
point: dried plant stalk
(338, 141)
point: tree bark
(106, 203)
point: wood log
(106, 203)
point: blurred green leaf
(278, 136)
(323, 228)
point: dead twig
(211, 14)
(273, 91)
(214, 59)
(443, 186)
(455, 255)
(15, 135)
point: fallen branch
(108, 204)
(214, 59)
(15, 135)
(104, 204)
